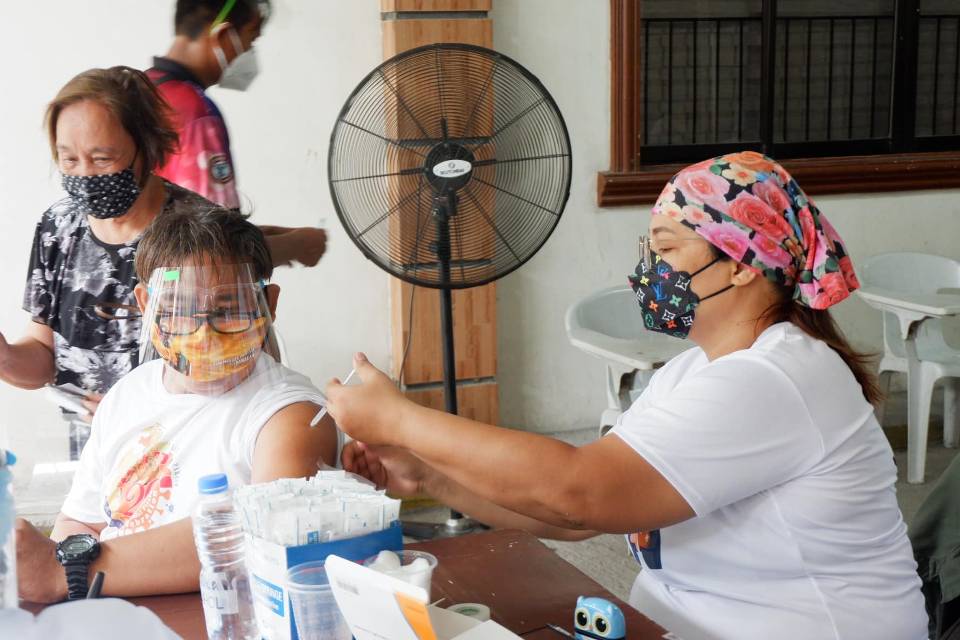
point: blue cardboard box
(268, 563)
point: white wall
(312, 53)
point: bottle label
(218, 598)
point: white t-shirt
(148, 447)
(797, 533)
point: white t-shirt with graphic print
(798, 533)
(148, 447)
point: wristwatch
(75, 553)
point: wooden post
(408, 24)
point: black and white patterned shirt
(82, 288)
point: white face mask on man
(239, 73)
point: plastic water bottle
(8, 549)
(224, 584)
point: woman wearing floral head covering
(751, 209)
(752, 481)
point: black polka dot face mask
(104, 196)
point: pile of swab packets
(332, 505)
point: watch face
(77, 548)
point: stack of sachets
(332, 505)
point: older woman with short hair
(108, 130)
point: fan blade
(512, 122)
(387, 140)
(492, 161)
(403, 172)
(512, 194)
(492, 224)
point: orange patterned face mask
(206, 355)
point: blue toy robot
(598, 619)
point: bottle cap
(213, 484)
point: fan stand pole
(443, 211)
(444, 208)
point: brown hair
(820, 325)
(132, 99)
(185, 236)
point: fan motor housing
(449, 167)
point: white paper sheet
(368, 601)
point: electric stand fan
(449, 167)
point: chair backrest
(909, 272)
(612, 312)
(914, 272)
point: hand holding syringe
(317, 418)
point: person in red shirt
(213, 44)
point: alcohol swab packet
(317, 418)
(331, 505)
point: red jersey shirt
(203, 162)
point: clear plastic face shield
(211, 325)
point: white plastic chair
(607, 324)
(916, 291)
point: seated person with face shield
(210, 397)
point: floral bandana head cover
(749, 207)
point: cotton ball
(420, 564)
(386, 561)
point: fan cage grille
(475, 102)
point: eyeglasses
(114, 311)
(103, 312)
(647, 250)
(181, 310)
(221, 321)
(96, 319)
(646, 253)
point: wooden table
(525, 584)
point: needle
(96, 586)
(317, 418)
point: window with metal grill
(796, 79)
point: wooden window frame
(626, 183)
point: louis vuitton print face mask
(664, 295)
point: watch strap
(77, 580)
